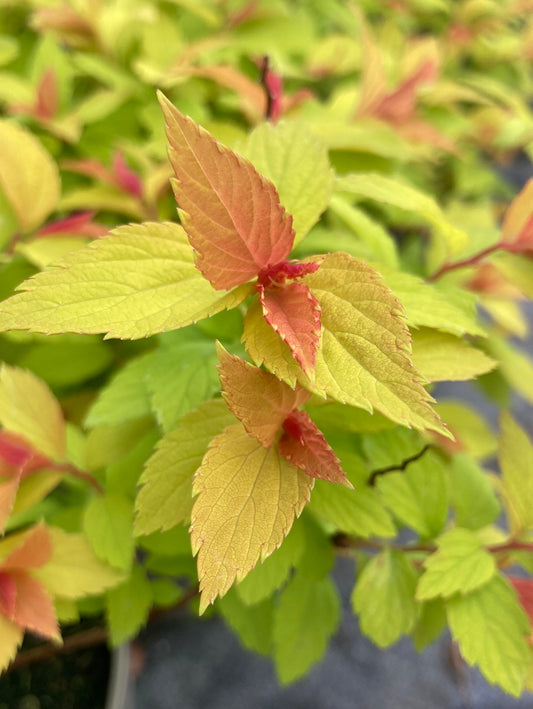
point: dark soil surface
(71, 680)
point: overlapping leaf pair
(239, 230)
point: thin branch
(401, 466)
(71, 469)
(471, 261)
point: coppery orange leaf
(294, 313)
(304, 445)
(232, 215)
(257, 398)
(33, 607)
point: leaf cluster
(207, 405)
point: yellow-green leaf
(365, 356)
(247, 499)
(137, 281)
(390, 191)
(28, 176)
(491, 629)
(28, 407)
(165, 498)
(459, 565)
(516, 461)
(74, 570)
(384, 597)
(108, 523)
(442, 357)
(297, 163)
(11, 636)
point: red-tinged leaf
(47, 96)
(400, 104)
(279, 273)
(34, 609)
(125, 178)
(517, 224)
(20, 454)
(8, 594)
(247, 499)
(524, 588)
(305, 447)
(232, 215)
(257, 398)
(294, 313)
(76, 224)
(33, 551)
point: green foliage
(172, 388)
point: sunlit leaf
(232, 215)
(247, 499)
(139, 280)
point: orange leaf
(34, 550)
(47, 102)
(400, 104)
(257, 398)
(518, 221)
(294, 313)
(34, 609)
(232, 214)
(306, 448)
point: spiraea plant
(261, 400)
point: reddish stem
(470, 261)
(71, 469)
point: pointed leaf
(247, 499)
(34, 609)
(305, 619)
(28, 176)
(384, 597)
(304, 445)
(232, 214)
(445, 308)
(30, 549)
(107, 522)
(138, 280)
(73, 570)
(491, 629)
(297, 163)
(165, 499)
(365, 355)
(11, 636)
(442, 357)
(460, 564)
(516, 461)
(28, 407)
(257, 398)
(294, 313)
